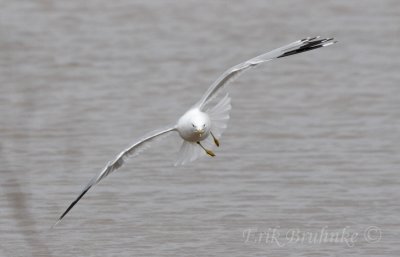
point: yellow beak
(200, 131)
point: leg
(215, 140)
(209, 152)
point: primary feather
(296, 47)
(111, 166)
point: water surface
(313, 141)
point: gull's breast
(186, 129)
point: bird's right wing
(296, 47)
(111, 166)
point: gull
(202, 125)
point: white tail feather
(189, 152)
(219, 116)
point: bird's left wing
(111, 166)
(296, 47)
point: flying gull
(202, 125)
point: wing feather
(135, 149)
(296, 47)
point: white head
(199, 124)
(194, 125)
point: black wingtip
(71, 206)
(309, 44)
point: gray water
(312, 145)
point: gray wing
(111, 166)
(299, 46)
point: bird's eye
(193, 125)
(204, 125)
